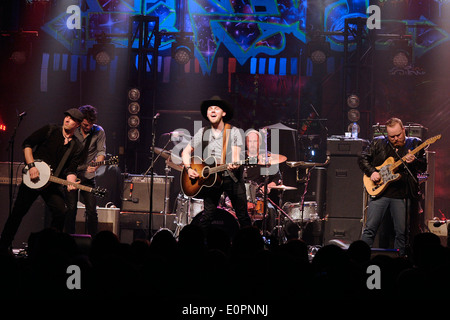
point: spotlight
(182, 50)
(133, 121)
(353, 115)
(103, 53)
(134, 94)
(401, 53)
(353, 101)
(134, 108)
(318, 51)
(103, 50)
(133, 134)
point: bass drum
(223, 219)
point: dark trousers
(52, 196)
(90, 202)
(237, 195)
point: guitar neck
(68, 183)
(223, 167)
(414, 151)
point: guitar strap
(64, 158)
(225, 141)
(226, 138)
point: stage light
(2, 127)
(182, 50)
(134, 107)
(353, 101)
(401, 52)
(103, 50)
(134, 94)
(353, 115)
(318, 51)
(133, 121)
(133, 134)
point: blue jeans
(376, 210)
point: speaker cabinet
(137, 189)
(108, 219)
(346, 230)
(136, 225)
(345, 189)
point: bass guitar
(387, 171)
(208, 174)
(46, 176)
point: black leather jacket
(379, 150)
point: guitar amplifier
(341, 146)
(5, 172)
(412, 130)
(136, 193)
(108, 219)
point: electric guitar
(208, 174)
(46, 176)
(387, 171)
(112, 161)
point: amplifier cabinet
(346, 230)
(137, 189)
(108, 219)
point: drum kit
(189, 210)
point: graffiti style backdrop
(252, 52)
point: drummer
(252, 174)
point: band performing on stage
(229, 179)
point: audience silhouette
(211, 267)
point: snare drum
(294, 210)
(187, 205)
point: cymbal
(173, 165)
(283, 187)
(273, 159)
(279, 126)
(164, 153)
(304, 164)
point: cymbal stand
(280, 213)
(302, 226)
(166, 195)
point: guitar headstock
(433, 139)
(99, 192)
(113, 160)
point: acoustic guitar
(208, 174)
(387, 171)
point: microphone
(174, 134)
(23, 114)
(134, 200)
(156, 116)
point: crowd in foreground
(194, 267)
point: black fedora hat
(222, 104)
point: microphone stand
(11, 164)
(152, 162)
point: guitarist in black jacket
(52, 144)
(399, 195)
